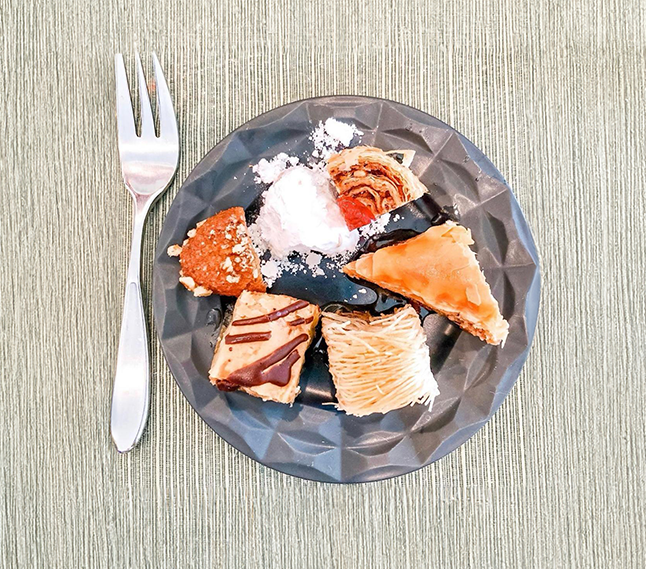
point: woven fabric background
(552, 91)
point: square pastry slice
(378, 363)
(262, 349)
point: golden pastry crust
(378, 363)
(439, 270)
(218, 257)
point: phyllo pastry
(262, 349)
(218, 257)
(378, 363)
(371, 182)
(439, 270)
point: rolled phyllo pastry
(371, 182)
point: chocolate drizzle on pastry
(299, 321)
(247, 338)
(262, 350)
(275, 315)
(265, 369)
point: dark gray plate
(310, 439)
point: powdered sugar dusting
(375, 227)
(270, 270)
(268, 171)
(300, 227)
(313, 261)
(300, 214)
(331, 136)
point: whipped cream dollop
(300, 214)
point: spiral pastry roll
(371, 182)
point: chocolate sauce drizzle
(264, 370)
(247, 338)
(275, 315)
(299, 321)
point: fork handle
(131, 392)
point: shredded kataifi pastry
(378, 363)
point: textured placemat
(552, 92)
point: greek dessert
(313, 214)
(218, 257)
(378, 363)
(300, 227)
(439, 270)
(261, 351)
(371, 182)
(299, 213)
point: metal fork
(148, 165)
